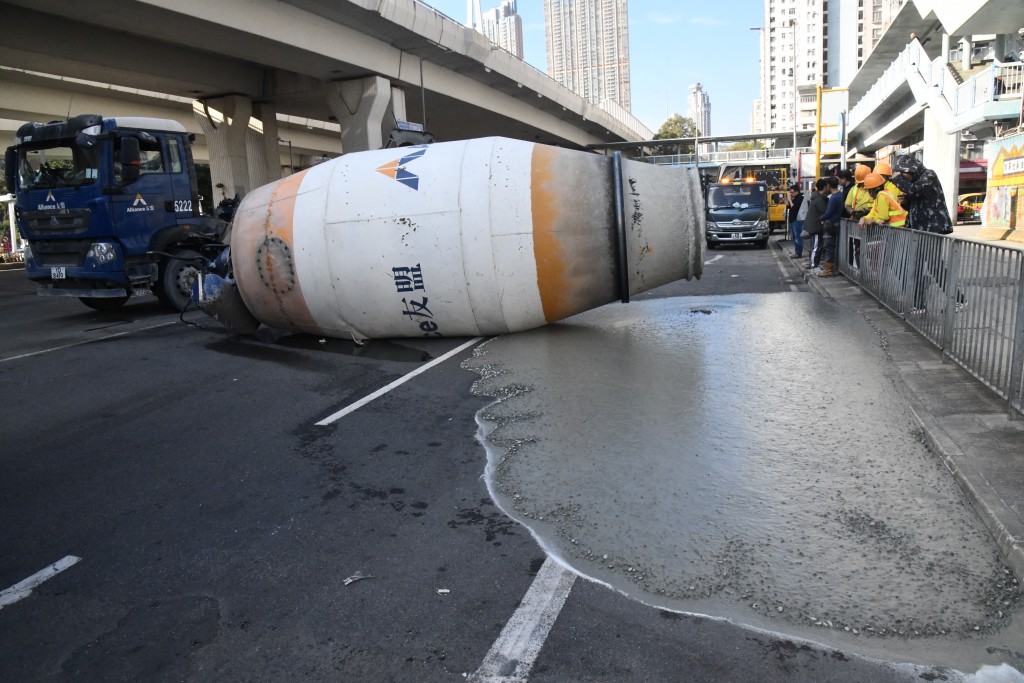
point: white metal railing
(998, 81)
(965, 297)
(726, 157)
(623, 116)
(1008, 79)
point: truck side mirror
(129, 159)
(10, 168)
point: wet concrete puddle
(747, 457)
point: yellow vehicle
(776, 210)
(777, 180)
(970, 207)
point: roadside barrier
(965, 297)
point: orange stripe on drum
(269, 282)
(546, 207)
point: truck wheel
(104, 304)
(174, 283)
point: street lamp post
(796, 102)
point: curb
(947, 450)
(12, 266)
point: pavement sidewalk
(966, 424)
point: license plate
(58, 273)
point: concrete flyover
(361, 64)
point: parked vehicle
(776, 210)
(110, 209)
(737, 212)
(970, 206)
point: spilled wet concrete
(747, 457)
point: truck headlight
(102, 252)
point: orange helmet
(883, 168)
(873, 180)
(861, 172)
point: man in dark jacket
(830, 226)
(846, 184)
(794, 200)
(926, 211)
(923, 198)
(816, 205)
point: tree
(676, 126)
(746, 144)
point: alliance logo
(139, 205)
(396, 169)
(51, 203)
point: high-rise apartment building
(699, 109)
(810, 43)
(588, 48)
(502, 25)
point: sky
(672, 45)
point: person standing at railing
(927, 212)
(846, 184)
(858, 204)
(923, 196)
(859, 200)
(816, 205)
(830, 226)
(885, 208)
(883, 169)
(796, 212)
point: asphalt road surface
(185, 517)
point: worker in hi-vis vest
(859, 201)
(883, 169)
(886, 208)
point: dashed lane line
(23, 589)
(514, 652)
(88, 341)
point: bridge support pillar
(366, 109)
(242, 157)
(942, 155)
(263, 149)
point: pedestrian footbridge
(943, 75)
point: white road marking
(708, 263)
(398, 382)
(87, 341)
(513, 653)
(23, 589)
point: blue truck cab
(110, 209)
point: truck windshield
(737, 196)
(61, 165)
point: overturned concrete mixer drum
(476, 237)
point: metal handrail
(965, 297)
(780, 155)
